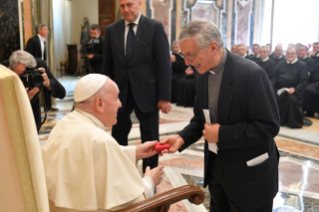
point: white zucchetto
(87, 86)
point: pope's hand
(155, 174)
(175, 141)
(145, 150)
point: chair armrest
(162, 201)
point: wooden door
(107, 14)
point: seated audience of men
(278, 55)
(18, 62)
(265, 62)
(178, 67)
(85, 168)
(292, 77)
(256, 56)
(242, 51)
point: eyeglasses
(290, 53)
(191, 56)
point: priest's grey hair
(23, 57)
(202, 32)
(293, 47)
(267, 47)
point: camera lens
(37, 80)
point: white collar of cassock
(245, 55)
(96, 121)
(41, 38)
(258, 56)
(293, 62)
(135, 22)
(305, 57)
(317, 55)
(278, 57)
(267, 58)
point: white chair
(22, 180)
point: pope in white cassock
(85, 168)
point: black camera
(32, 77)
(87, 48)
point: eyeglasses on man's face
(191, 56)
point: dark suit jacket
(147, 71)
(249, 119)
(34, 48)
(97, 61)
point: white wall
(79, 10)
(67, 19)
(61, 26)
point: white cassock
(87, 170)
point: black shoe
(307, 122)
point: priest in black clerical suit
(266, 63)
(244, 121)
(137, 58)
(256, 55)
(311, 64)
(277, 56)
(315, 55)
(291, 75)
(241, 51)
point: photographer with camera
(92, 51)
(24, 65)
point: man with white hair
(265, 62)
(277, 55)
(242, 51)
(18, 62)
(241, 157)
(85, 168)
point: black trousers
(220, 198)
(149, 128)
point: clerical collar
(96, 121)
(264, 60)
(245, 55)
(317, 55)
(258, 56)
(135, 22)
(293, 62)
(278, 57)
(220, 65)
(41, 38)
(305, 57)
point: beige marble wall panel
(162, 12)
(178, 17)
(27, 20)
(207, 12)
(243, 16)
